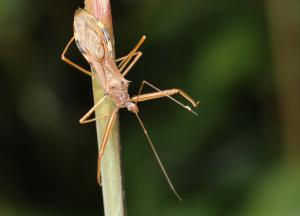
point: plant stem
(111, 175)
(284, 22)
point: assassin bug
(93, 41)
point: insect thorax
(117, 90)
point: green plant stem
(284, 22)
(111, 175)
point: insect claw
(188, 108)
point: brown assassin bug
(93, 41)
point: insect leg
(68, 61)
(85, 119)
(165, 93)
(124, 57)
(139, 54)
(127, 58)
(108, 129)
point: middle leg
(126, 59)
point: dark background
(240, 156)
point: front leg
(166, 93)
(84, 119)
(107, 132)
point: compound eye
(124, 83)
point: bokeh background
(240, 156)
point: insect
(93, 41)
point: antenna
(158, 159)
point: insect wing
(88, 36)
(91, 41)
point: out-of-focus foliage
(230, 160)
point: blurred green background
(240, 156)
